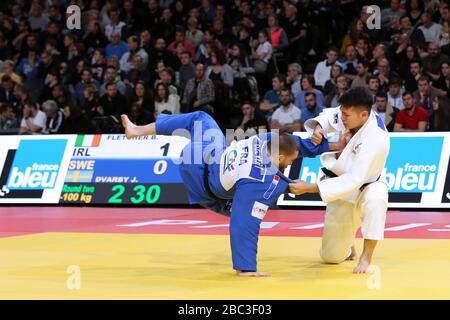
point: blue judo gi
(242, 176)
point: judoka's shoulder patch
(259, 210)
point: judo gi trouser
(343, 219)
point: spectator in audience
(86, 78)
(116, 47)
(166, 101)
(294, 78)
(51, 80)
(272, 97)
(330, 85)
(194, 34)
(112, 76)
(385, 110)
(115, 25)
(187, 69)
(75, 122)
(430, 30)
(33, 120)
(180, 37)
(424, 97)
(112, 103)
(331, 101)
(261, 54)
(167, 76)
(140, 116)
(90, 102)
(362, 75)
(286, 118)
(94, 37)
(8, 70)
(432, 62)
(8, 121)
(308, 86)
(412, 118)
(395, 94)
(252, 121)
(161, 53)
(443, 83)
(350, 62)
(220, 70)
(54, 117)
(322, 71)
(373, 85)
(7, 91)
(199, 92)
(59, 96)
(143, 96)
(126, 62)
(312, 109)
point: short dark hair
(407, 93)
(416, 61)
(307, 94)
(424, 78)
(357, 97)
(381, 94)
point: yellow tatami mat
(142, 266)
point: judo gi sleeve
(308, 149)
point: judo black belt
(331, 174)
(206, 182)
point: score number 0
(151, 195)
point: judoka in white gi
(354, 190)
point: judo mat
(154, 253)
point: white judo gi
(359, 165)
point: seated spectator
(199, 92)
(412, 118)
(272, 97)
(308, 86)
(140, 116)
(33, 120)
(443, 83)
(294, 78)
(252, 121)
(193, 33)
(7, 91)
(8, 70)
(138, 67)
(161, 53)
(94, 38)
(28, 66)
(322, 71)
(143, 96)
(75, 122)
(54, 117)
(116, 47)
(98, 64)
(51, 80)
(261, 52)
(111, 76)
(126, 62)
(167, 76)
(181, 38)
(8, 121)
(219, 69)
(432, 62)
(278, 37)
(286, 118)
(415, 72)
(350, 62)
(330, 85)
(385, 74)
(424, 96)
(395, 94)
(115, 25)
(312, 108)
(239, 63)
(373, 85)
(385, 110)
(86, 78)
(331, 101)
(90, 102)
(361, 79)
(112, 103)
(430, 30)
(166, 101)
(59, 96)
(187, 69)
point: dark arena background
(86, 213)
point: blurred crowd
(252, 65)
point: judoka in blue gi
(240, 181)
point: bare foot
(252, 274)
(363, 266)
(353, 256)
(130, 127)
